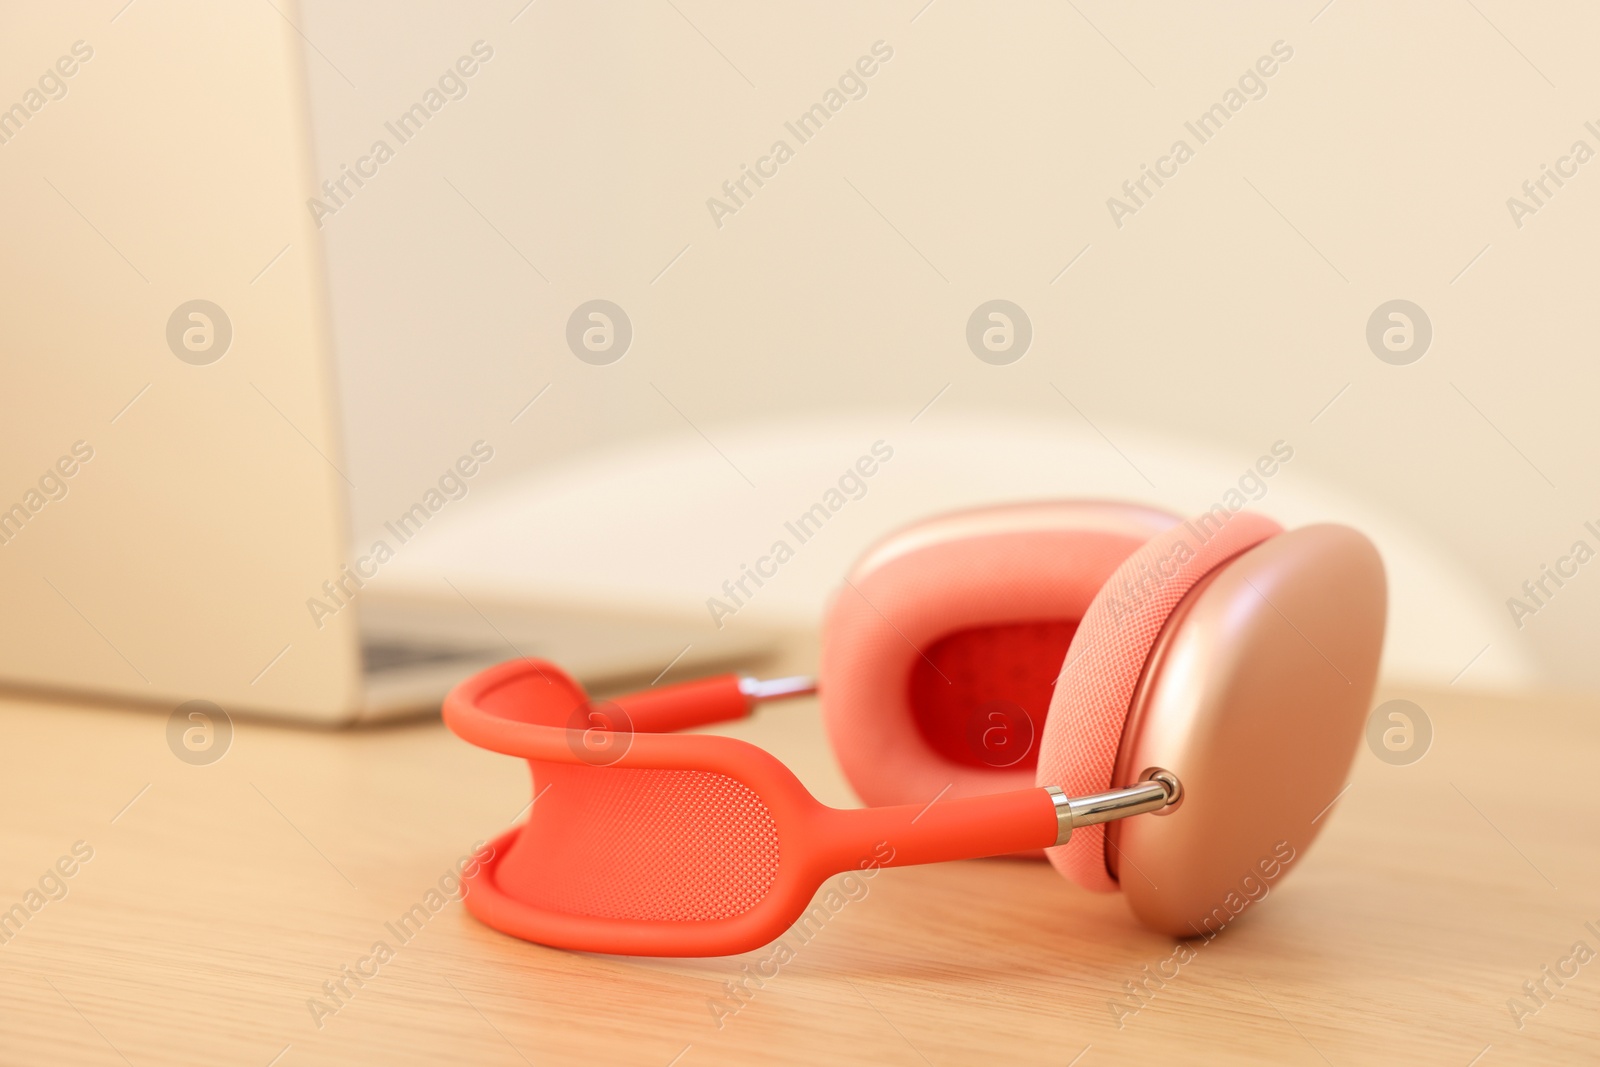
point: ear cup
(940, 620)
(1089, 708)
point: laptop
(174, 506)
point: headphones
(1006, 680)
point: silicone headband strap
(531, 709)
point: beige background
(1224, 316)
(830, 312)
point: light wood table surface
(220, 898)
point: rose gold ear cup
(1255, 697)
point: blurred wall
(1356, 154)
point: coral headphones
(1215, 672)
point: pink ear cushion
(980, 568)
(1106, 659)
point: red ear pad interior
(944, 623)
(1089, 708)
(975, 692)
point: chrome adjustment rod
(1159, 789)
(759, 689)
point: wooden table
(219, 899)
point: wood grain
(220, 899)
